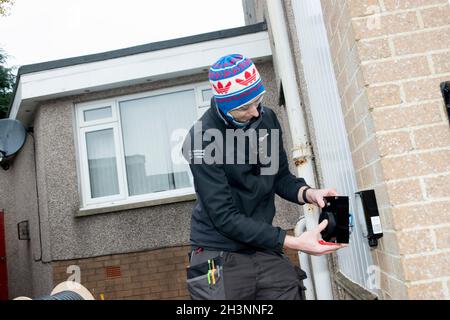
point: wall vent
(113, 272)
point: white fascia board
(111, 73)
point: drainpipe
(304, 262)
(302, 154)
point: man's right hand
(308, 242)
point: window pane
(207, 94)
(99, 113)
(147, 125)
(102, 163)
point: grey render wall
(132, 230)
(25, 275)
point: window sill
(134, 205)
(354, 289)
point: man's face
(247, 111)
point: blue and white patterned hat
(235, 82)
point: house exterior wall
(19, 200)
(389, 57)
(95, 242)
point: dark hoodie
(235, 203)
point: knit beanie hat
(235, 82)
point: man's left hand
(315, 196)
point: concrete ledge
(128, 206)
(353, 289)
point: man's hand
(308, 242)
(315, 196)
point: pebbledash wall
(389, 58)
(131, 254)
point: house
(356, 86)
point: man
(236, 252)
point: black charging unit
(371, 215)
(336, 211)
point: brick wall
(150, 275)
(155, 274)
(389, 58)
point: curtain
(102, 163)
(147, 125)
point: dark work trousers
(257, 275)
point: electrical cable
(31, 133)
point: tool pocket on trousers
(206, 287)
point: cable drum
(67, 290)
(63, 295)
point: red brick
(358, 8)
(422, 42)
(441, 62)
(403, 192)
(377, 25)
(415, 241)
(397, 69)
(438, 187)
(427, 267)
(436, 136)
(427, 291)
(380, 96)
(418, 215)
(442, 237)
(393, 5)
(436, 17)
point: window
(102, 163)
(127, 145)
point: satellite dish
(12, 139)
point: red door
(3, 271)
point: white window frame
(96, 105)
(85, 168)
(202, 104)
(114, 122)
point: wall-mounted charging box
(371, 215)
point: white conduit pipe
(304, 262)
(301, 151)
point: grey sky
(44, 30)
